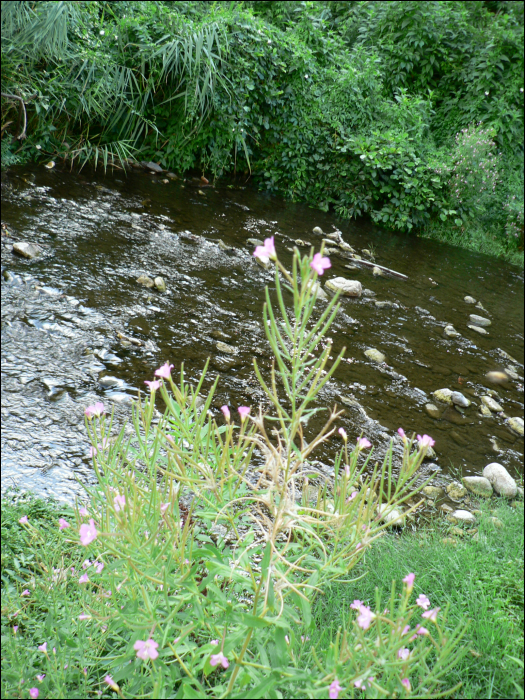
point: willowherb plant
(205, 565)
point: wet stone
(375, 355)
(469, 300)
(459, 400)
(224, 347)
(443, 395)
(515, 424)
(160, 284)
(433, 492)
(456, 491)
(432, 410)
(491, 404)
(480, 320)
(348, 288)
(478, 329)
(146, 281)
(450, 332)
(27, 250)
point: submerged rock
(146, 281)
(224, 347)
(478, 485)
(255, 241)
(501, 480)
(27, 250)
(433, 492)
(469, 300)
(348, 288)
(515, 424)
(375, 355)
(450, 332)
(432, 410)
(480, 320)
(319, 291)
(377, 271)
(318, 231)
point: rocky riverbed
(104, 278)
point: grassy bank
(480, 579)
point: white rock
(318, 230)
(348, 288)
(463, 516)
(27, 250)
(390, 515)
(515, 424)
(490, 403)
(319, 291)
(263, 261)
(469, 300)
(501, 480)
(478, 329)
(224, 347)
(480, 320)
(478, 485)
(451, 332)
(459, 400)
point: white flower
(102, 32)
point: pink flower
(111, 683)
(342, 433)
(99, 566)
(409, 580)
(215, 642)
(164, 371)
(225, 412)
(153, 386)
(23, 520)
(365, 617)
(402, 433)
(83, 579)
(88, 533)
(287, 639)
(425, 441)
(146, 650)
(15, 628)
(83, 512)
(86, 564)
(83, 616)
(164, 507)
(219, 658)
(96, 410)
(423, 601)
(34, 692)
(40, 677)
(119, 503)
(62, 524)
(43, 648)
(351, 496)
(320, 264)
(363, 443)
(26, 592)
(406, 683)
(421, 630)
(356, 604)
(243, 412)
(403, 654)
(305, 639)
(334, 689)
(431, 614)
(267, 250)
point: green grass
(481, 580)
(476, 238)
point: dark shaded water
(61, 315)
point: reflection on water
(77, 327)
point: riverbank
(480, 578)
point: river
(62, 314)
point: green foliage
(353, 106)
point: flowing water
(62, 315)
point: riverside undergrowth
(192, 568)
